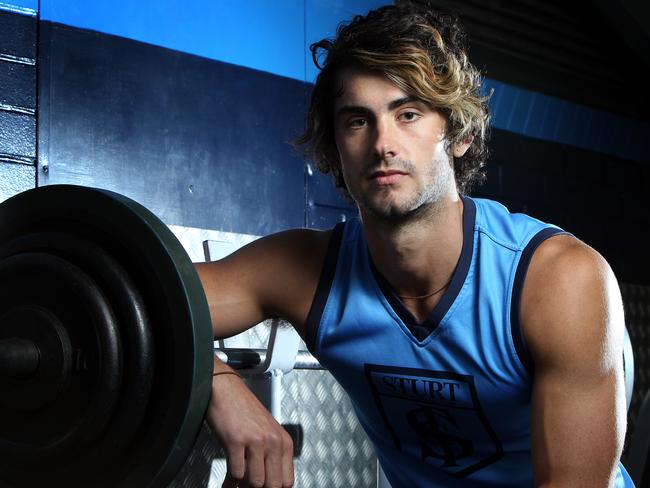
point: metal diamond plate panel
(636, 299)
(335, 450)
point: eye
(357, 122)
(409, 116)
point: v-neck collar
(422, 330)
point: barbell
(105, 342)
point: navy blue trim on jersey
(324, 285)
(517, 289)
(422, 330)
(418, 330)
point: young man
(479, 347)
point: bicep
(574, 326)
(232, 297)
(275, 276)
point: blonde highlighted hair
(423, 53)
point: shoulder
(564, 266)
(571, 304)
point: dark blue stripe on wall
(199, 142)
(556, 120)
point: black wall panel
(598, 198)
(572, 50)
(199, 142)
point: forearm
(258, 449)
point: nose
(385, 139)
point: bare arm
(275, 276)
(572, 318)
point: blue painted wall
(261, 34)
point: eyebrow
(402, 101)
(359, 109)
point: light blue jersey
(445, 402)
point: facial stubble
(425, 201)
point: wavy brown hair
(424, 53)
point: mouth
(387, 177)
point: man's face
(392, 147)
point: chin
(391, 212)
(404, 212)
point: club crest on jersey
(437, 415)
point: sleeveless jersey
(445, 402)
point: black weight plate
(174, 299)
(60, 410)
(137, 344)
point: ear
(458, 149)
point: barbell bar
(243, 359)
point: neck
(418, 256)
